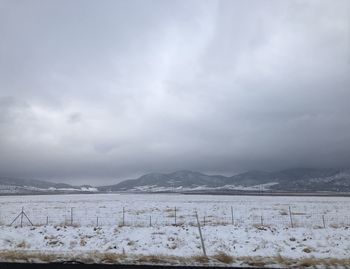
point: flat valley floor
(163, 229)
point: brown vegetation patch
(82, 242)
(220, 258)
(223, 257)
(201, 259)
(22, 244)
(154, 259)
(112, 257)
(307, 250)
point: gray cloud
(108, 90)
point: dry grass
(153, 259)
(298, 213)
(263, 227)
(201, 259)
(131, 242)
(219, 222)
(338, 226)
(307, 250)
(224, 258)
(307, 263)
(121, 258)
(22, 244)
(22, 256)
(140, 212)
(284, 213)
(171, 210)
(112, 257)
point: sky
(100, 91)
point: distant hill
(296, 180)
(10, 185)
(32, 183)
(179, 179)
(289, 180)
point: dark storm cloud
(107, 90)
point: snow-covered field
(140, 228)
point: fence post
(232, 215)
(21, 215)
(175, 215)
(290, 216)
(47, 220)
(150, 221)
(22, 218)
(96, 221)
(262, 220)
(324, 223)
(123, 223)
(201, 236)
(71, 216)
(204, 221)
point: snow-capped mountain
(296, 180)
(290, 180)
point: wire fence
(73, 216)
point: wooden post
(20, 214)
(175, 215)
(201, 236)
(324, 223)
(123, 223)
(22, 218)
(232, 215)
(204, 221)
(291, 219)
(96, 221)
(262, 220)
(47, 220)
(150, 221)
(31, 223)
(71, 216)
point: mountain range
(9, 185)
(292, 180)
(289, 180)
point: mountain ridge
(288, 180)
(293, 179)
(12, 185)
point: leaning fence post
(290, 216)
(201, 236)
(31, 223)
(324, 223)
(20, 214)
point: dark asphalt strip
(100, 266)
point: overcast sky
(109, 90)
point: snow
(9, 189)
(149, 228)
(155, 188)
